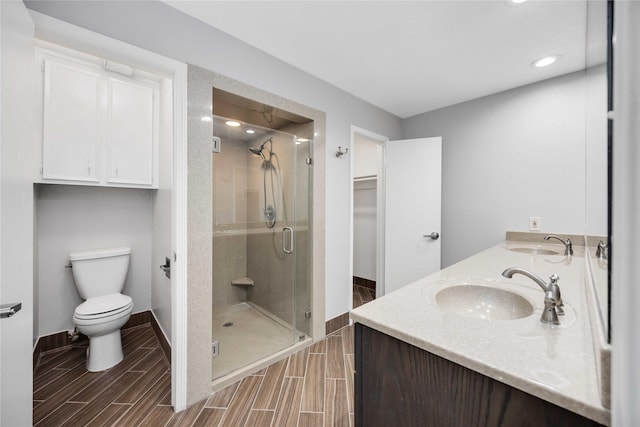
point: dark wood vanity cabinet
(397, 384)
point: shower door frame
(282, 268)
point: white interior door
(412, 197)
(16, 207)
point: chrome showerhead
(258, 151)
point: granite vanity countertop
(554, 363)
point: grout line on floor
(286, 368)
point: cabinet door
(70, 122)
(130, 147)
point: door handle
(433, 236)
(8, 310)
(284, 246)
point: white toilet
(99, 277)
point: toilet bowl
(99, 276)
(103, 328)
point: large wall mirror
(598, 143)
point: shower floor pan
(245, 335)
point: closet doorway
(366, 167)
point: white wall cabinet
(130, 148)
(98, 127)
(71, 122)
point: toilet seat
(104, 306)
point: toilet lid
(102, 305)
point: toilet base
(104, 352)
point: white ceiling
(409, 57)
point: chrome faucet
(568, 246)
(552, 299)
(601, 251)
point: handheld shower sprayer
(269, 210)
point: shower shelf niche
(242, 281)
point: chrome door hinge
(309, 161)
(216, 142)
(307, 314)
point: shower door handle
(284, 240)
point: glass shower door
(260, 251)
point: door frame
(625, 230)
(380, 199)
(16, 225)
(75, 37)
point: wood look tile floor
(313, 387)
(362, 295)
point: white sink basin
(534, 250)
(484, 302)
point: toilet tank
(100, 272)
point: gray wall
(596, 173)
(507, 157)
(159, 28)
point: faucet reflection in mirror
(568, 246)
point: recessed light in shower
(250, 131)
(545, 61)
(232, 123)
(514, 3)
(206, 119)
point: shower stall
(261, 239)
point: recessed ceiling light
(545, 61)
(232, 123)
(206, 119)
(513, 3)
(250, 131)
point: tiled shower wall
(229, 222)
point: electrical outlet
(534, 223)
